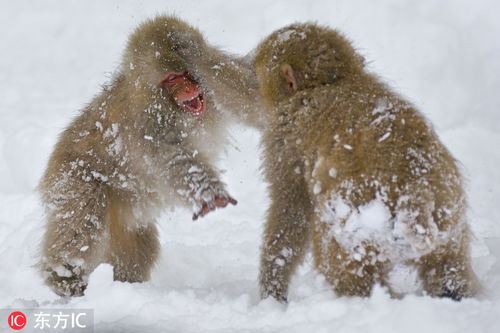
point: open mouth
(195, 105)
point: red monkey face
(186, 92)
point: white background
(54, 55)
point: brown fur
(230, 80)
(131, 152)
(337, 142)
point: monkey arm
(236, 88)
(195, 182)
(231, 80)
(287, 229)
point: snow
(354, 228)
(442, 55)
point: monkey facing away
(356, 169)
(145, 142)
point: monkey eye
(170, 78)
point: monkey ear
(291, 82)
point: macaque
(355, 169)
(146, 142)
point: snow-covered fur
(131, 152)
(357, 169)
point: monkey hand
(219, 200)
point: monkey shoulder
(91, 149)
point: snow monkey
(146, 142)
(357, 170)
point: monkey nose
(190, 89)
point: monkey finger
(197, 215)
(217, 202)
(220, 202)
(224, 201)
(202, 212)
(205, 209)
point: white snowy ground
(443, 55)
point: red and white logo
(17, 320)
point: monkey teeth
(195, 105)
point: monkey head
(154, 62)
(303, 56)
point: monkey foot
(73, 285)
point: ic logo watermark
(17, 320)
(47, 320)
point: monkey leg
(414, 220)
(446, 272)
(134, 245)
(286, 237)
(75, 236)
(432, 224)
(350, 274)
(351, 277)
(286, 234)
